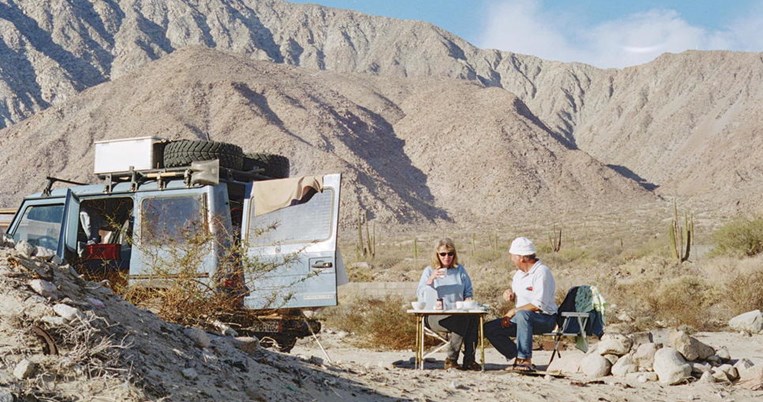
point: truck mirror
(205, 172)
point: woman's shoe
(450, 363)
(471, 366)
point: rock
(642, 377)
(751, 378)
(743, 364)
(6, 396)
(723, 353)
(640, 338)
(56, 260)
(623, 366)
(715, 360)
(730, 371)
(690, 347)
(568, 363)
(594, 365)
(750, 321)
(44, 253)
(624, 317)
(25, 249)
(248, 344)
(67, 312)
(198, 336)
(614, 344)
(707, 377)
(95, 303)
(315, 360)
(612, 358)
(24, 369)
(700, 368)
(644, 355)
(44, 288)
(54, 321)
(720, 375)
(190, 373)
(670, 366)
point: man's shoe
(450, 363)
(471, 366)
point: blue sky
(604, 33)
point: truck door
(70, 226)
(290, 229)
(171, 233)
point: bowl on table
(470, 304)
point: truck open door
(290, 231)
(70, 225)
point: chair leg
(555, 352)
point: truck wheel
(272, 165)
(285, 344)
(183, 152)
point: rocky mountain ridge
(659, 124)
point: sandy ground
(393, 375)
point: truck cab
(144, 217)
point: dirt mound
(67, 339)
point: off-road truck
(155, 194)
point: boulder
(594, 365)
(44, 288)
(670, 366)
(644, 355)
(67, 312)
(690, 347)
(25, 249)
(751, 321)
(24, 369)
(751, 378)
(614, 344)
(623, 366)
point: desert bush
(742, 292)
(684, 300)
(739, 238)
(377, 323)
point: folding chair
(570, 323)
(442, 337)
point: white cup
(418, 305)
(442, 272)
(459, 305)
(470, 304)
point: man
(532, 289)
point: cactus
(681, 236)
(366, 245)
(555, 238)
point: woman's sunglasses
(449, 254)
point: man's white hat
(522, 246)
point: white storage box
(119, 155)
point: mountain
(412, 151)
(661, 124)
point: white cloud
(524, 26)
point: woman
(446, 279)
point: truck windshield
(302, 223)
(41, 225)
(173, 220)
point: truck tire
(183, 152)
(272, 165)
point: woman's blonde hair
(450, 246)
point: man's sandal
(522, 366)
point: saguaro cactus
(681, 236)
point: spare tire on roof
(183, 152)
(271, 165)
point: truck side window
(41, 226)
(302, 223)
(172, 220)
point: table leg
(419, 342)
(482, 342)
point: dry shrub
(378, 323)
(685, 300)
(742, 292)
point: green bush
(684, 301)
(378, 323)
(741, 237)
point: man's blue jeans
(523, 325)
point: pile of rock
(679, 358)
